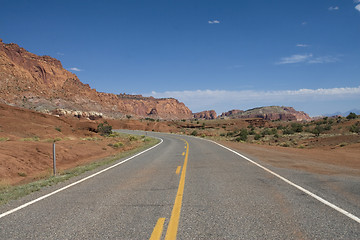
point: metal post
(54, 159)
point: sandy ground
(26, 140)
(324, 160)
(26, 145)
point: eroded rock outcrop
(210, 114)
(269, 113)
(41, 83)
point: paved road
(192, 189)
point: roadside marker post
(54, 159)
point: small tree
(104, 129)
(296, 127)
(351, 116)
(317, 130)
(242, 135)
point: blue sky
(209, 54)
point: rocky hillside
(208, 115)
(41, 83)
(269, 113)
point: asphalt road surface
(189, 188)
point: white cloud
(297, 58)
(324, 59)
(307, 58)
(357, 7)
(333, 8)
(302, 45)
(59, 53)
(75, 69)
(224, 100)
(356, 1)
(214, 22)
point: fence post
(54, 159)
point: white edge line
(353, 217)
(320, 199)
(77, 182)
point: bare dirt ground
(323, 160)
(26, 139)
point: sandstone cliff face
(41, 83)
(269, 113)
(211, 114)
(230, 113)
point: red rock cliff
(211, 114)
(41, 83)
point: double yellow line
(175, 214)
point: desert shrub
(284, 144)
(252, 132)
(132, 138)
(355, 128)
(317, 130)
(288, 131)
(296, 127)
(273, 131)
(128, 116)
(351, 116)
(151, 119)
(194, 133)
(280, 127)
(114, 134)
(257, 136)
(58, 129)
(222, 134)
(327, 127)
(242, 135)
(104, 129)
(265, 132)
(230, 134)
(32, 139)
(276, 135)
(117, 145)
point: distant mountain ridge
(344, 114)
(41, 83)
(268, 113)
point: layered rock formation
(210, 114)
(41, 83)
(269, 113)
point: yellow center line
(157, 232)
(183, 153)
(178, 170)
(175, 214)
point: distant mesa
(208, 115)
(41, 83)
(269, 113)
